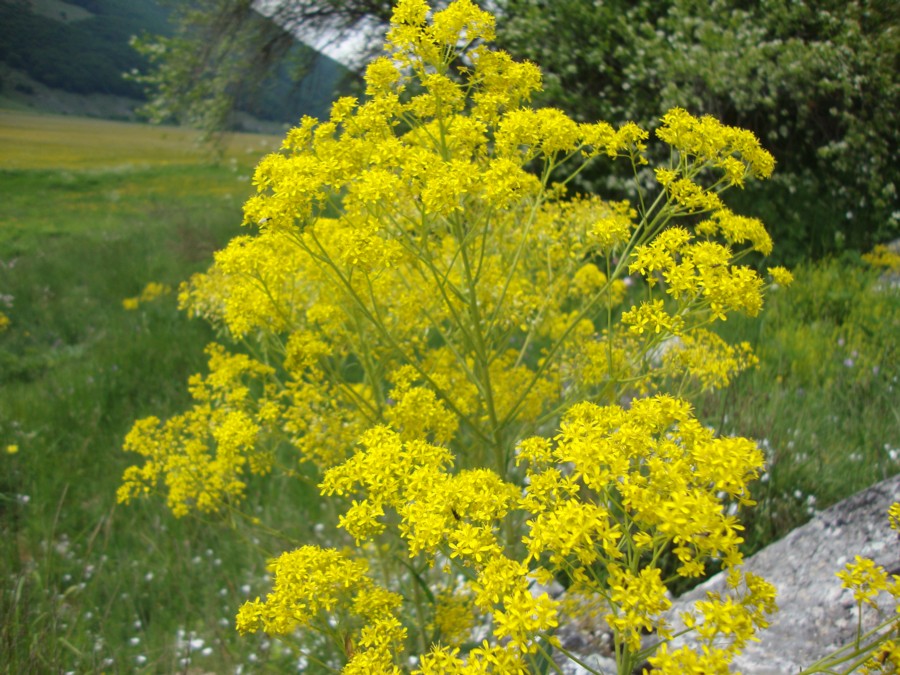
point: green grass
(32, 141)
(823, 401)
(89, 586)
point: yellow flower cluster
(736, 151)
(883, 256)
(699, 274)
(616, 489)
(311, 587)
(455, 514)
(446, 256)
(894, 516)
(867, 581)
(707, 358)
(723, 626)
(152, 291)
(425, 304)
(203, 455)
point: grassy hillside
(31, 141)
(80, 47)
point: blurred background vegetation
(87, 48)
(816, 80)
(94, 210)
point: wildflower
(865, 579)
(420, 306)
(781, 276)
(637, 603)
(523, 617)
(651, 317)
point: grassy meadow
(92, 212)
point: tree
(816, 81)
(222, 51)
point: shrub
(816, 81)
(444, 337)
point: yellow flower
(461, 22)
(781, 276)
(523, 618)
(865, 579)
(420, 303)
(653, 318)
(154, 290)
(12, 449)
(637, 603)
(894, 516)
(882, 256)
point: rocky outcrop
(816, 614)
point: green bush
(816, 81)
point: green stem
(386, 334)
(482, 361)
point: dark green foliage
(83, 57)
(225, 58)
(816, 81)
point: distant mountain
(81, 47)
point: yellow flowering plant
(876, 650)
(448, 340)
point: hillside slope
(69, 57)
